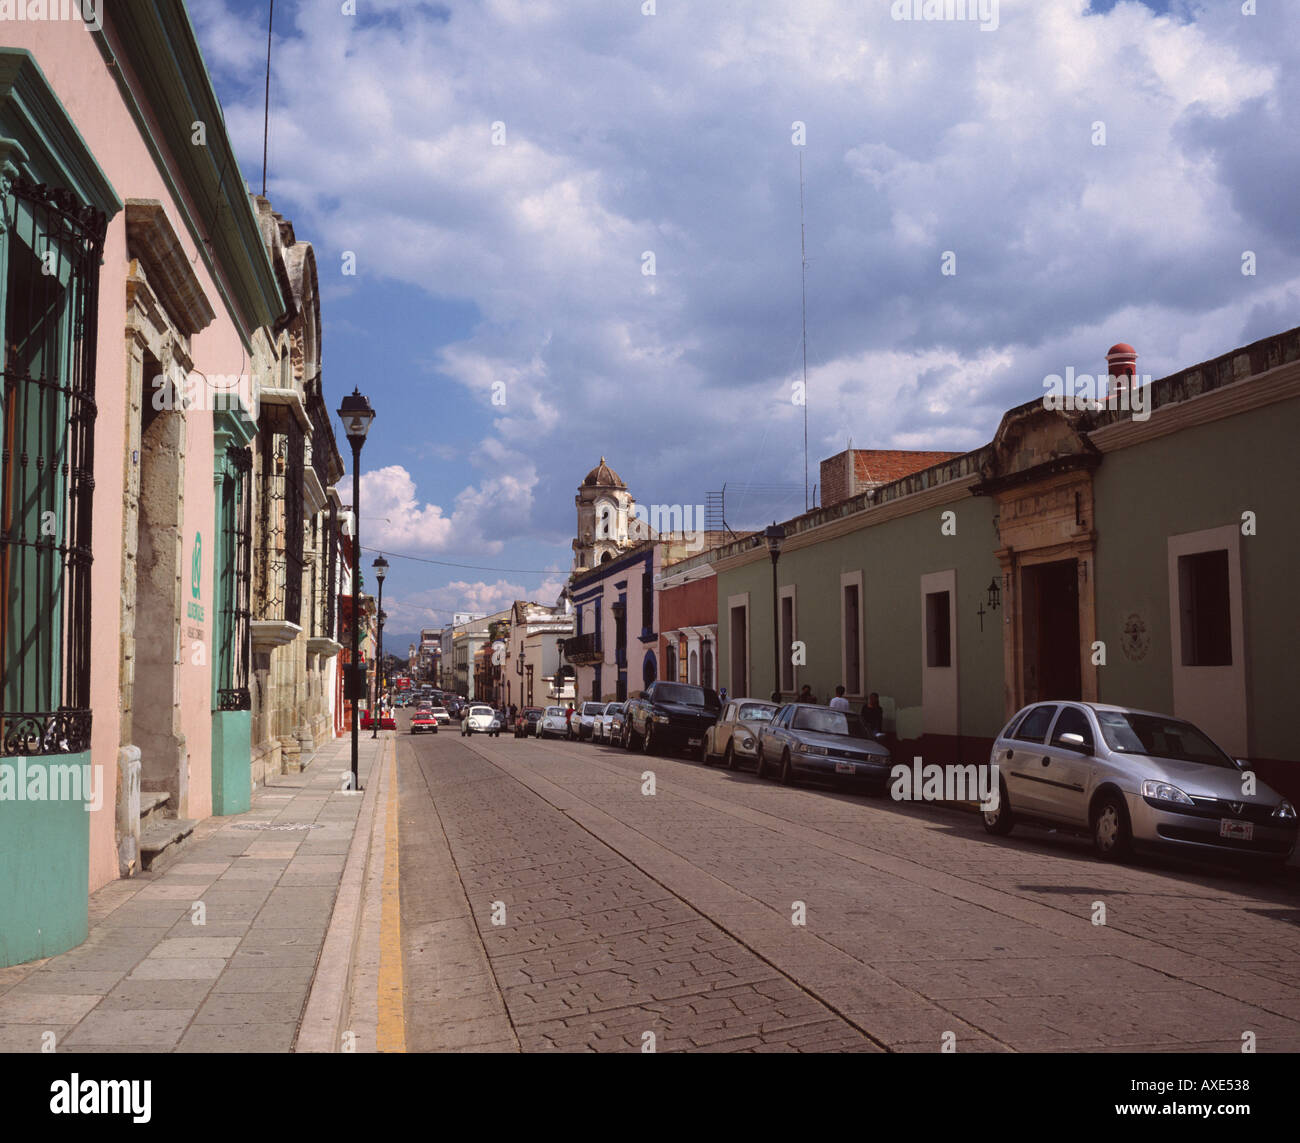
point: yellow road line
(391, 1034)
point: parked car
(526, 721)
(734, 737)
(481, 720)
(670, 716)
(803, 738)
(582, 724)
(423, 721)
(553, 722)
(609, 726)
(386, 721)
(1134, 779)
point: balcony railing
(584, 649)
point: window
(1204, 601)
(51, 248)
(852, 636)
(1073, 721)
(706, 670)
(233, 578)
(1033, 727)
(938, 630)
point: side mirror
(1073, 741)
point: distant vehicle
(609, 726)
(734, 737)
(582, 724)
(422, 721)
(1135, 779)
(526, 721)
(481, 720)
(804, 738)
(441, 713)
(670, 716)
(553, 722)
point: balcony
(584, 650)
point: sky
(574, 230)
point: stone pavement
(151, 978)
(918, 925)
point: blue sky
(512, 267)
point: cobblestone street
(622, 914)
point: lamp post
(775, 536)
(356, 414)
(381, 569)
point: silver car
(804, 738)
(609, 726)
(1134, 778)
(734, 737)
(582, 725)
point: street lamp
(356, 414)
(381, 569)
(775, 536)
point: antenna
(266, 120)
(803, 262)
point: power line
(471, 567)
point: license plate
(1242, 831)
(694, 741)
(844, 767)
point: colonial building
(1123, 554)
(533, 652)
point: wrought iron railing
(237, 603)
(281, 519)
(52, 247)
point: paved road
(624, 915)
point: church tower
(607, 523)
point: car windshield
(825, 721)
(555, 712)
(756, 710)
(481, 710)
(687, 696)
(1152, 734)
(614, 708)
(593, 708)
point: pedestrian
(776, 697)
(806, 695)
(873, 718)
(839, 702)
(722, 694)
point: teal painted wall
(1205, 477)
(232, 770)
(892, 557)
(44, 867)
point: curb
(327, 1002)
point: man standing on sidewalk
(839, 702)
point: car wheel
(1001, 821)
(1112, 836)
(647, 740)
(787, 776)
(729, 757)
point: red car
(386, 722)
(423, 720)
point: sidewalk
(219, 950)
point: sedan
(804, 738)
(553, 722)
(582, 725)
(441, 713)
(526, 721)
(734, 737)
(423, 721)
(481, 720)
(1134, 779)
(386, 721)
(609, 726)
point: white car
(585, 719)
(554, 721)
(481, 720)
(442, 714)
(608, 727)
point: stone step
(163, 837)
(153, 805)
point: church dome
(602, 476)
